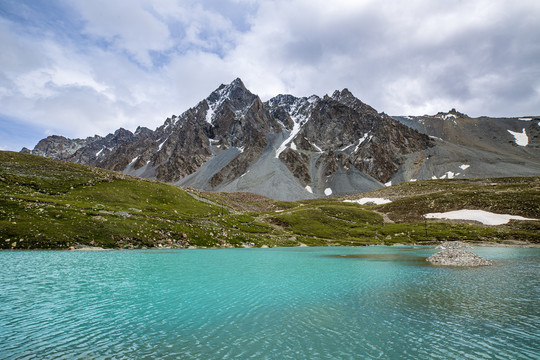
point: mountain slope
(285, 148)
(291, 148)
(476, 147)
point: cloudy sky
(78, 67)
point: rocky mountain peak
(282, 100)
(452, 114)
(236, 91)
(287, 147)
(342, 95)
(143, 132)
(232, 98)
(238, 83)
(346, 97)
(123, 133)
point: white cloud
(127, 25)
(136, 62)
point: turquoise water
(296, 303)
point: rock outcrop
(454, 245)
(454, 257)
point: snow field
(364, 201)
(521, 138)
(485, 217)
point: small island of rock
(453, 257)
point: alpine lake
(278, 303)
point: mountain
(475, 147)
(291, 148)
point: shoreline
(509, 244)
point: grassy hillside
(515, 196)
(46, 203)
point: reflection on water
(317, 303)
(419, 260)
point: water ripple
(267, 304)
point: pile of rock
(454, 245)
(454, 257)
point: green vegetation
(337, 224)
(46, 203)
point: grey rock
(454, 245)
(483, 143)
(454, 257)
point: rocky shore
(456, 257)
(86, 248)
(454, 245)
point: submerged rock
(454, 245)
(452, 257)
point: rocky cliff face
(59, 147)
(286, 148)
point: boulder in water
(453, 257)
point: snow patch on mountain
(209, 114)
(319, 149)
(294, 132)
(162, 143)
(222, 95)
(448, 116)
(134, 159)
(464, 166)
(299, 113)
(327, 191)
(485, 217)
(360, 142)
(364, 201)
(346, 147)
(521, 138)
(447, 175)
(309, 189)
